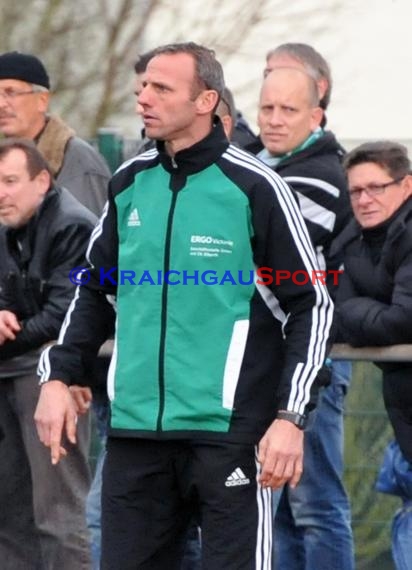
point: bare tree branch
(89, 48)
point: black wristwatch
(299, 420)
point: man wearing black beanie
(24, 103)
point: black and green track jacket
(194, 358)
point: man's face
(20, 197)
(371, 210)
(286, 114)
(21, 115)
(170, 105)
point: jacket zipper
(163, 324)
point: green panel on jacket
(211, 232)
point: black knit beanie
(23, 66)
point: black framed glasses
(372, 189)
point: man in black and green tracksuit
(221, 328)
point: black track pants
(152, 490)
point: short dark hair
(142, 61)
(208, 70)
(315, 64)
(35, 160)
(389, 155)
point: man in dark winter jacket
(44, 233)
(309, 159)
(305, 155)
(374, 296)
(374, 303)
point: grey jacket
(75, 164)
(85, 174)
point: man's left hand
(281, 455)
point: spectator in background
(76, 165)
(312, 524)
(24, 103)
(44, 232)
(374, 305)
(304, 57)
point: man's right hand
(55, 416)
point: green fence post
(110, 145)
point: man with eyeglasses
(24, 103)
(374, 303)
(363, 196)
